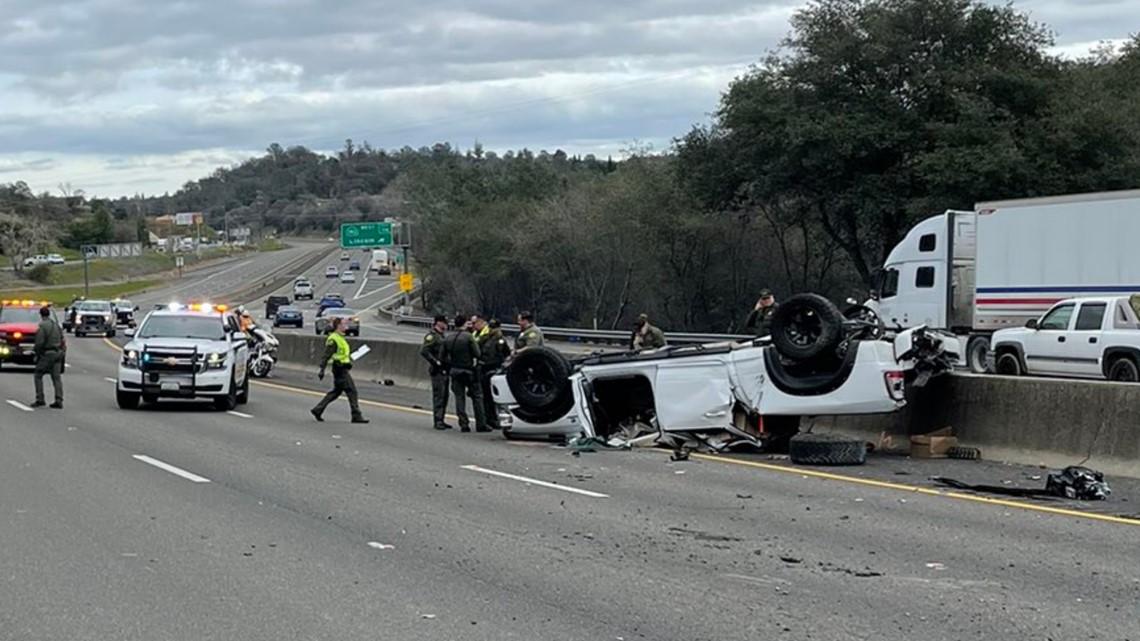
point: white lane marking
(530, 481)
(239, 414)
(20, 406)
(380, 546)
(110, 380)
(189, 476)
(363, 284)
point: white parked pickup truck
(1077, 337)
(815, 363)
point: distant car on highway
(124, 312)
(302, 288)
(95, 317)
(344, 255)
(324, 321)
(289, 315)
(330, 300)
(331, 271)
(348, 277)
(273, 303)
(354, 265)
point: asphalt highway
(184, 523)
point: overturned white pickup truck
(815, 363)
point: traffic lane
(890, 469)
(713, 530)
(221, 279)
(441, 531)
(293, 569)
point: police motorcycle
(262, 346)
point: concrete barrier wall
(1024, 420)
(400, 362)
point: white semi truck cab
(976, 272)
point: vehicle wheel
(1124, 370)
(1008, 364)
(149, 399)
(243, 395)
(229, 401)
(126, 400)
(826, 449)
(976, 350)
(806, 326)
(539, 378)
(111, 334)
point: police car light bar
(24, 303)
(193, 307)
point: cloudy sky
(138, 96)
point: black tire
(150, 399)
(228, 402)
(977, 348)
(539, 378)
(806, 326)
(826, 449)
(243, 395)
(1124, 370)
(1008, 364)
(111, 334)
(127, 400)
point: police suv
(185, 352)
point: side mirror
(1031, 323)
(129, 333)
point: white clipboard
(360, 352)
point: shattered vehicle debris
(816, 362)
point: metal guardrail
(597, 336)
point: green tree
(20, 237)
(880, 111)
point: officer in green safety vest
(338, 354)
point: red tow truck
(19, 320)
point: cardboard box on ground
(933, 444)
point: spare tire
(539, 378)
(826, 449)
(806, 326)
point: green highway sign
(353, 235)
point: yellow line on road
(827, 476)
(886, 485)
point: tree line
(871, 115)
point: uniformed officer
(529, 333)
(49, 350)
(495, 350)
(760, 318)
(647, 336)
(433, 352)
(462, 354)
(338, 354)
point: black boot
(317, 415)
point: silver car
(351, 319)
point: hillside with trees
(872, 115)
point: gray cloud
(123, 84)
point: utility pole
(86, 251)
(406, 242)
